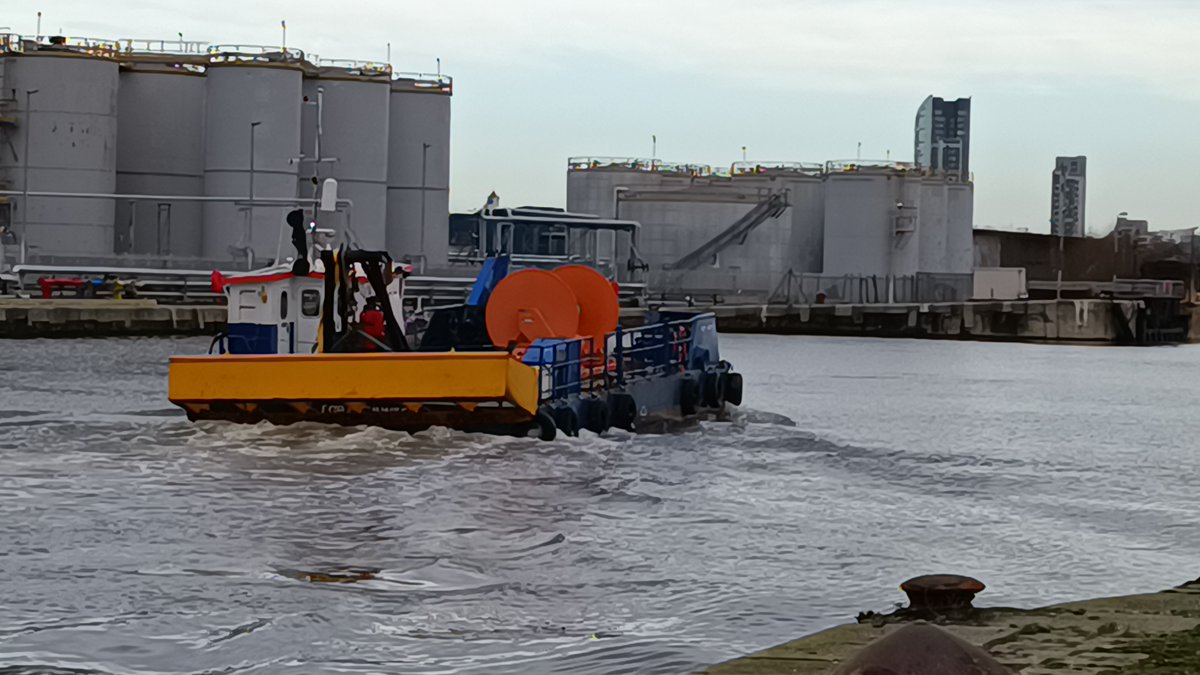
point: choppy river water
(134, 542)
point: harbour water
(133, 542)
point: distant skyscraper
(943, 136)
(1132, 226)
(1068, 196)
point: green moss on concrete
(1151, 634)
(1170, 654)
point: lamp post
(424, 164)
(25, 171)
(250, 222)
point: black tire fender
(597, 417)
(733, 388)
(689, 394)
(714, 390)
(567, 420)
(624, 411)
(543, 423)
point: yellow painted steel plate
(443, 376)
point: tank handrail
(430, 77)
(18, 43)
(89, 42)
(583, 163)
(166, 46)
(843, 165)
(362, 66)
(14, 42)
(430, 82)
(746, 167)
(423, 82)
(219, 52)
(11, 42)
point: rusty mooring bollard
(940, 592)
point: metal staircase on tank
(771, 207)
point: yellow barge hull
(483, 391)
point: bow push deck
(532, 352)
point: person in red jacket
(371, 322)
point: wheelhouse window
(310, 302)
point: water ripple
(134, 542)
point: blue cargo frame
(659, 367)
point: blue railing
(579, 366)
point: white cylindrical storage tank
(806, 193)
(905, 218)
(667, 233)
(161, 152)
(675, 223)
(960, 228)
(70, 125)
(671, 227)
(931, 227)
(250, 100)
(767, 254)
(353, 129)
(858, 223)
(593, 184)
(802, 183)
(418, 179)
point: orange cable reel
(531, 305)
(599, 312)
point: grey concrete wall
(41, 318)
(1088, 321)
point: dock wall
(1070, 321)
(1079, 321)
(105, 318)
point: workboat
(530, 352)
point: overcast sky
(537, 81)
